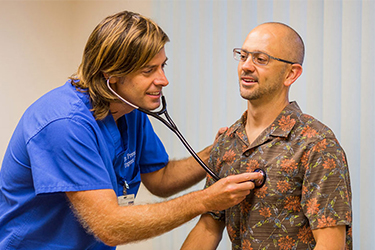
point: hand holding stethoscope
(172, 126)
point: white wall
(41, 44)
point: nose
(248, 64)
(161, 79)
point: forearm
(116, 225)
(178, 175)
(148, 221)
(329, 245)
(190, 169)
(330, 238)
(187, 172)
(324, 247)
(101, 214)
(206, 234)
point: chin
(153, 106)
(250, 96)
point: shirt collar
(280, 127)
(285, 121)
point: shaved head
(289, 42)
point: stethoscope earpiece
(119, 97)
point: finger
(220, 132)
(244, 177)
(238, 187)
(245, 186)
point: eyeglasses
(259, 58)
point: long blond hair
(121, 44)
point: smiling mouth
(248, 81)
(154, 93)
(248, 78)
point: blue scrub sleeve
(64, 156)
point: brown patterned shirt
(307, 186)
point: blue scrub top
(59, 147)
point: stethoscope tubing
(172, 126)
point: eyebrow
(154, 65)
(254, 51)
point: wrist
(205, 200)
(199, 199)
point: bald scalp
(291, 41)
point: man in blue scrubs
(79, 154)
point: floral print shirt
(307, 185)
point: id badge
(126, 200)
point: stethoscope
(172, 126)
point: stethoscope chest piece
(260, 182)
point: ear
(112, 79)
(294, 73)
(105, 75)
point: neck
(261, 114)
(119, 109)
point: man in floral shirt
(306, 200)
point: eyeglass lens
(257, 57)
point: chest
(120, 152)
(280, 158)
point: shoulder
(308, 131)
(237, 127)
(308, 127)
(316, 137)
(311, 128)
(60, 104)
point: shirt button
(247, 153)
